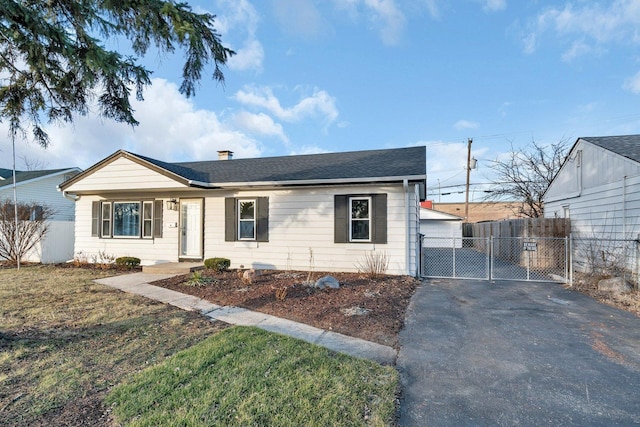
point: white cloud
(300, 17)
(504, 108)
(171, 129)
(383, 14)
(319, 103)
(587, 27)
(578, 48)
(495, 5)
(307, 149)
(238, 20)
(259, 124)
(466, 124)
(632, 84)
(432, 7)
(529, 43)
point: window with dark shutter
(246, 219)
(95, 219)
(157, 219)
(360, 218)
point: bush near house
(127, 261)
(217, 264)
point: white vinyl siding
(301, 227)
(150, 251)
(121, 174)
(43, 191)
(601, 202)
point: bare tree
(525, 174)
(33, 164)
(17, 238)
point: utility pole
(466, 201)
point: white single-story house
(440, 229)
(40, 187)
(598, 187)
(322, 212)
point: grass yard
(76, 353)
(245, 376)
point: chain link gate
(503, 258)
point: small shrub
(103, 260)
(217, 264)
(197, 279)
(373, 264)
(281, 294)
(127, 261)
(80, 259)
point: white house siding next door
(191, 228)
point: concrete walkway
(138, 283)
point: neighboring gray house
(41, 187)
(598, 187)
(323, 211)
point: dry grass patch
(64, 341)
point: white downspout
(72, 197)
(405, 186)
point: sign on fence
(530, 246)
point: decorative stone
(355, 311)
(249, 275)
(615, 285)
(327, 282)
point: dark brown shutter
(230, 221)
(341, 219)
(95, 219)
(262, 220)
(379, 218)
(157, 219)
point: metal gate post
(566, 259)
(491, 254)
(488, 251)
(571, 259)
(454, 256)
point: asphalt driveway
(517, 353)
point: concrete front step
(173, 268)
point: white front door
(191, 228)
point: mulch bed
(371, 309)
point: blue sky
(340, 75)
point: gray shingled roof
(624, 145)
(25, 175)
(346, 165)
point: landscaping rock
(615, 285)
(250, 275)
(355, 311)
(327, 282)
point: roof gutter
(67, 195)
(407, 178)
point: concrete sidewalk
(138, 283)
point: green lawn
(72, 351)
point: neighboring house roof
(24, 176)
(431, 214)
(361, 166)
(625, 145)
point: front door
(191, 228)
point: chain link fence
(601, 258)
(557, 259)
(509, 258)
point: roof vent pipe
(225, 155)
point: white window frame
(352, 219)
(147, 206)
(104, 220)
(245, 220)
